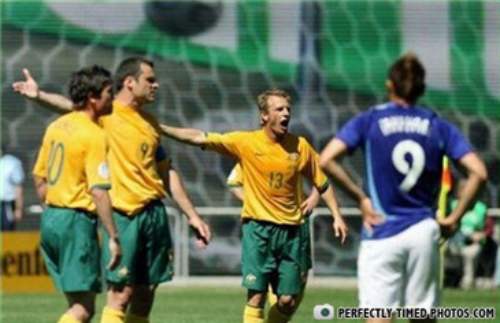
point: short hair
(130, 67)
(89, 80)
(408, 77)
(264, 98)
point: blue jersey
(404, 149)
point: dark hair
(408, 77)
(89, 80)
(130, 67)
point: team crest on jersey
(293, 156)
(123, 272)
(250, 279)
(103, 170)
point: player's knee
(256, 298)
(286, 303)
(119, 297)
(83, 313)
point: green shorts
(272, 254)
(147, 256)
(306, 246)
(70, 247)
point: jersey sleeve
(353, 132)
(310, 167)
(455, 145)
(96, 165)
(40, 168)
(235, 178)
(228, 144)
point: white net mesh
(213, 59)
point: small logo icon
(250, 279)
(103, 170)
(123, 272)
(323, 312)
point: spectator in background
(470, 238)
(12, 179)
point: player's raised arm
(29, 88)
(190, 136)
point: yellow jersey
(271, 173)
(235, 179)
(135, 155)
(73, 161)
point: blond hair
(263, 98)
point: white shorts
(403, 270)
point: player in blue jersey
(404, 145)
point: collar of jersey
(122, 108)
(264, 137)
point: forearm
(468, 196)
(54, 102)
(314, 194)
(237, 192)
(331, 202)
(476, 179)
(40, 188)
(105, 212)
(180, 196)
(345, 181)
(190, 136)
(19, 204)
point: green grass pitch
(217, 305)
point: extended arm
(190, 136)
(103, 204)
(54, 102)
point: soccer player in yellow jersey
(273, 162)
(235, 185)
(71, 179)
(141, 177)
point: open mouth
(284, 124)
